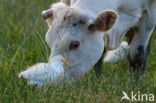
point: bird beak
(66, 63)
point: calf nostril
(106, 40)
(74, 45)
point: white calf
(77, 33)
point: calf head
(76, 35)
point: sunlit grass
(22, 44)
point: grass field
(22, 44)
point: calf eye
(74, 45)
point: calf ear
(104, 21)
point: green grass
(22, 44)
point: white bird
(45, 73)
